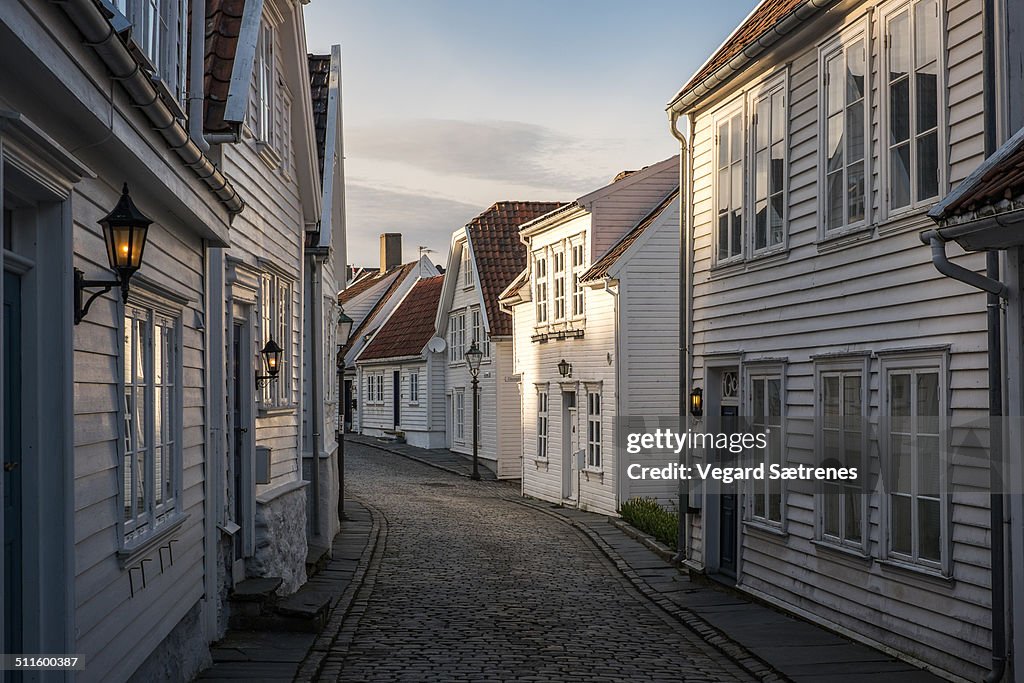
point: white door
(570, 473)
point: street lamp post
(344, 330)
(473, 358)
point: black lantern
(344, 327)
(124, 232)
(473, 358)
(697, 402)
(564, 368)
(271, 363)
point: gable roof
(223, 26)
(516, 286)
(995, 185)
(604, 264)
(400, 273)
(499, 253)
(769, 21)
(366, 282)
(410, 326)
(319, 78)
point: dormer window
(159, 32)
(467, 267)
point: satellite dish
(436, 345)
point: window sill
(414, 404)
(274, 411)
(906, 221)
(268, 154)
(768, 257)
(138, 547)
(537, 462)
(765, 528)
(727, 269)
(844, 551)
(930, 574)
(599, 472)
(842, 238)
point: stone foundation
(280, 548)
(181, 655)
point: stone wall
(181, 655)
(281, 547)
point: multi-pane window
(842, 503)
(466, 267)
(594, 429)
(766, 416)
(159, 29)
(912, 37)
(769, 167)
(844, 130)
(276, 324)
(483, 342)
(263, 93)
(542, 424)
(729, 190)
(577, 271)
(558, 266)
(541, 288)
(457, 336)
(414, 386)
(150, 465)
(459, 416)
(914, 472)
(375, 388)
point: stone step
(256, 590)
(317, 558)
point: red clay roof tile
(411, 326)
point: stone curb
(313, 663)
(651, 543)
(750, 662)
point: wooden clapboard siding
(116, 632)
(615, 212)
(878, 294)
(508, 410)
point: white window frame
(766, 373)
(896, 363)
(543, 408)
(730, 112)
(577, 263)
(540, 287)
(459, 415)
(775, 85)
(414, 387)
(558, 262)
(277, 311)
(137, 526)
(166, 49)
(840, 44)
(466, 267)
(886, 13)
(844, 368)
(479, 333)
(595, 425)
(457, 337)
(265, 86)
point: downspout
(684, 331)
(196, 76)
(314, 400)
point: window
(594, 430)
(915, 506)
(769, 167)
(159, 29)
(558, 265)
(912, 100)
(842, 433)
(414, 386)
(276, 324)
(541, 285)
(577, 289)
(379, 382)
(375, 388)
(480, 334)
(467, 266)
(459, 418)
(263, 93)
(457, 336)
(150, 465)
(766, 416)
(729, 188)
(542, 424)
(844, 129)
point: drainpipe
(197, 61)
(314, 398)
(684, 329)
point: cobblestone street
(467, 584)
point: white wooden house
(104, 422)
(401, 373)
(622, 234)
(820, 134)
(485, 257)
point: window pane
(899, 176)
(928, 466)
(775, 219)
(834, 201)
(855, 191)
(764, 124)
(926, 33)
(855, 132)
(778, 117)
(774, 399)
(928, 403)
(831, 509)
(723, 144)
(761, 174)
(929, 529)
(928, 165)
(736, 143)
(855, 72)
(901, 524)
(899, 46)
(927, 91)
(834, 92)
(899, 112)
(835, 142)
(778, 166)
(853, 502)
(901, 463)
(737, 204)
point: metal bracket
(81, 284)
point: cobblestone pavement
(468, 585)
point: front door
(728, 518)
(240, 393)
(12, 474)
(396, 397)
(569, 469)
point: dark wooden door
(12, 475)
(728, 538)
(396, 396)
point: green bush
(649, 517)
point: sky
(452, 105)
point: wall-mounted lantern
(344, 327)
(124, 231)
(271, 363)
(697, 402)
(564, 368)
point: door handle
(242, 430)
(11, 466)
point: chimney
(390, 250)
